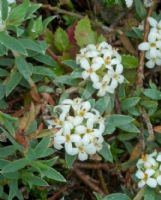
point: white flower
(146, 178)
(90, 71)
(152, 45)
(80, 128)
(129, 3)
(103, 86)
(148, 3)
(97, 65)
(67, 138)
(147, 160)
(116, 76)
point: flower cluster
(102, 65)
(2, 25)
(149, 170)
(152, 47)
(80, 128)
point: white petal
(58, 146)
(84, 63)
(85, 75)
(153, 22)
(96, 66)
(158, 44)
(59, 139)
(149, 172)
(150, 64)
(75, 138)
(119, 68)
(139, 174)
(86, 139)
(77, 120)
(69, 148)
(141, 184)
(80, 129)
(153, 52)
(151, 182)
(67, 127)
(159, 180)
(159, 157)
(91, 149)
(144, 46)
(114, 83)
(94, 77)
(121, 79)
(82, 156)
(152, 37)
(129, 3)
(67, 101)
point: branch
(140, 71)
(87, 180)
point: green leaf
(15, 165)
(116, 196)
(98, 196)
(69, 160)
(3, 72)
(32, 45)
(153, 94)
(18, 13)
(71, 63)
(129, 61)
(7, 151)
(4, 9)
(42, 146)
(12, 43)
(12, 82)
(83, 32)
(43, 71)
(14, 191)
(45, 59)
(149, 194)
(106, 153)
(129, 102)
(119, 120)
(2, 91)
(61, 40)
(131, 128)
(140, 9)
(54, 174)
(23, 67)
(103, 103)
(88, 91)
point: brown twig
(58, 193)
(148, 124)
(103, 166)
(87, 180)
(140, 71)
(102, 181)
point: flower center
(153, 45)
(145, 177)
(81, 149)
(107, 60)
(116, 76)
(67, 138)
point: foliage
(39, 44)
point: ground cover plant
(80, 92)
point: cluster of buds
(80, 128)
(149, 170)
(152, 47)
(102, 65)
